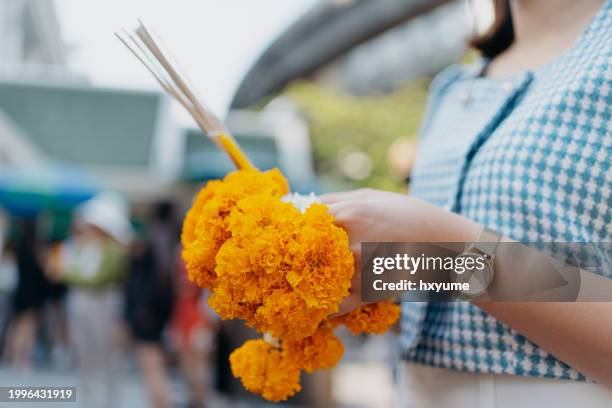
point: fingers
(350, 303)
(342, 206)
(332, 198)
(337, 208)
(342, 212)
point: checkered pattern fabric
(528, 157)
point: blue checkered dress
(528, 157)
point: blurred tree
(351, 135)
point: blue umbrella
(56, 187)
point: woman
(93, 263)
(29, 298)
(8, 283)
(520, 143)
(193, 329)
(149, 300)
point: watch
(481, 272)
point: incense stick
(143, 46)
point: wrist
(440, 225)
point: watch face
(469, 263)
(476, 270)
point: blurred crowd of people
(107, 287)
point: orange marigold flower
(285, 315)
(281, 271)
(322, 264)
(205, 227)
(265, 370)
(371, 318)
(321, 350)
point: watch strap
(487, 242)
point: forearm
(577, 333)
(437, 225)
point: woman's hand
(369, 215)
(377, 216)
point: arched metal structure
(326, 32)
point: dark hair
(163, 211)
(500, 35)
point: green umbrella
(30, 190)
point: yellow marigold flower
(281, 271)
(265, 370)
(321, 350)
(322, 264)
(205, 227)
(371, 318)
(267, 263)
(286, 316)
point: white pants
(94, 315)
(422, 386)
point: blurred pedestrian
(193, 331)
(8, 284)
(93, 262)
(149, 299)
(29, 297)
(57, 314)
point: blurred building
(123, 138)
(129, 140)
(274, 137)
(30, 42)
(126, 139)
(30, 39)
(50, 114)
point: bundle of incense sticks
(143, 45)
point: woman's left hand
(369, 215)
(377, 216)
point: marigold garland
(321, 350)
(266, 370)
(281, 271)
(370, 318)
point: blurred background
(97, 167)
